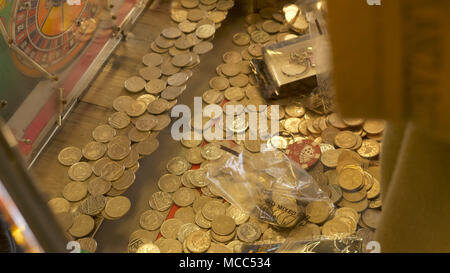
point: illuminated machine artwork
(51, 32)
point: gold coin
(161, 201)
(82, 226)
(205, 31)
(249, 232)
(171, 33)
(212, 151)
(231, 69)
(219, 83)
(195, 15)
(103, 133)
(201, 221)
(349, 212)
(355, 196)
(241, 39)
(213, 209)
(369, 148)
(237, 214)
(158, 106)
(170, 228)
(80, 171)
(336, 227)
(75, 191)
(178, 165)
(203, 47)
(98, 165)
(217, 16)
(146, 122)
(98, 186)
(150, 73)
(330, 158)
(376, 203)
(94, 150)
(157, 49)
(305, 233)
(152, 59)
(223, 225)
(136, 108)
(151, 220)
(239, 80)
(318, 212)
(135, 84)
(336, 121)
(374, 190)
(179, 15)
(148, 248)
(117, 207)
(125, 181)
(148, 146)
(371, 217)
(69, 156)
(169, 183)
(350, 179)
(374, 126)
(137, 136)
(112, 171)
(259, 36)
(198, 241)
(170, 246)
(121, 103)
(212, 96)
(271, 27)
(155, 86)
(186, 214)
(222, 238)
(183, 197)
(253, 146)
(345, 140)
(234, 94)
(119, 120)
(232, 57)
(295, 110)
(353, 121)
(118, 148)
(185, 230)
(59, 205)
(292, 125)
(187, 27)
(358, 206)
(164, 43)
(329, 134)
(88, 244)
(194, 155)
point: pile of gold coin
(105, 168)
(206, 222)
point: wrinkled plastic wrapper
(320, 244)
(267, 185)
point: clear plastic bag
(319, 244)
(322, 244)
(266, 185)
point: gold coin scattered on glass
(80, 171)
(69, 156)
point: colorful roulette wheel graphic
(51, 32)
